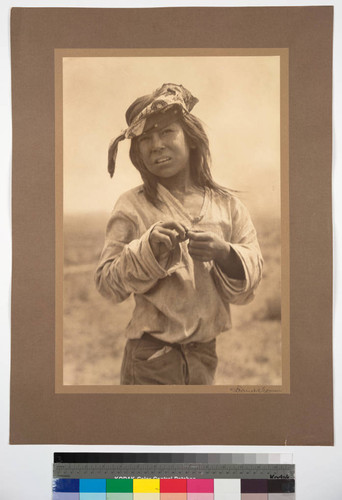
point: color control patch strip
(243, 481)
(173, 489)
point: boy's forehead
(158, 121)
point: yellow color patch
(146, 485)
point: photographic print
(187, 285)
(172, 270)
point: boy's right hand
(165, 236)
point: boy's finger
(163, 238)
(200, 245)
(184, 235)
(185, 227)
(198, 251)
(171, 233)
(199, 236)
(180, 228)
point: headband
(165, 103)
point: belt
(176, 345)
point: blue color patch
(66, 485)
(62, 495)
(92, 486)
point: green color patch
(119, 496)
(119, 485)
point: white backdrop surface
(26, 471)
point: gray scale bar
(204, 471)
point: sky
(239, 104)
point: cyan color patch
(93, 486)
(93, 496)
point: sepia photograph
(172, 220)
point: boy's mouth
(164, 159)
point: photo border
(284, 388)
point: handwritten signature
(261, 389)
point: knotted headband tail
(112, 152)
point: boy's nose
(156, 142)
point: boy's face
(165, 151)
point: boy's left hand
(206, 245)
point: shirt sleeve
(127, 264)
(245, 244)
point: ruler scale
(206, 471)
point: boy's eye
(166, 131)
(142, 138)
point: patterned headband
(159, 102)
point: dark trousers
(149, 361)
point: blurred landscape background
(94, 337)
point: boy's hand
(206, 245)
(166, 236)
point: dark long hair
(200, 160)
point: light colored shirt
(178, 300)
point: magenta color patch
(200, 486)
(200, 496)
